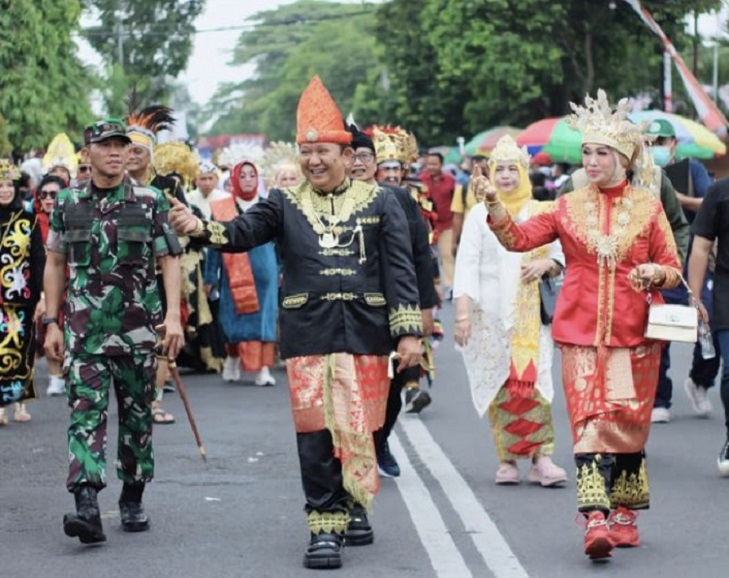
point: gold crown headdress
(411, 145)
(176, 157)
(506, 151)
(391, 144)
(600, 124)
(8, 171)
(60, 153)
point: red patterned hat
(318, 119)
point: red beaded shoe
(623, 528)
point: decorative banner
(708, 112)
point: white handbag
(673, 322)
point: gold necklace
(606, 246)
(328, 234)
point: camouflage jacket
(111, 240)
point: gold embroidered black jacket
(349, 281)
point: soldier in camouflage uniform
(110, 234)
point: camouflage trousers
(90, 379)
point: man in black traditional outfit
(349, 290)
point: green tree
(5, 148)
(143, 42)
(43, 86)
(288, 46)
(408, 87)
(459, 67)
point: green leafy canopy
(43, 85)
(445, 68)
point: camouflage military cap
(104, 129)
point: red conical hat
(318, 119)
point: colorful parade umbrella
(484, 142)
(451, 155)
(554, 137)
(694, 140)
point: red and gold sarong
(610, 393)
(520, 417)
(347, 395)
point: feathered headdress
(143, 125)
(600, 124)
(60, 153)
(275, 157)
(231, 155)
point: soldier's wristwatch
(46, 321)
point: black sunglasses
(84, 168)
(48, 194)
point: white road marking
(434, 535)
(492, 546)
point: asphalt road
(240, 514)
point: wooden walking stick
(188, 410)
(172, 365)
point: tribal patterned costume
(22, 258)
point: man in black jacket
(364, 167)
(349, 291)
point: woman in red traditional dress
(619, 249)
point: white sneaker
(231, 369)
(723, 461)
(660, 415)
(264, 378)
(56, 386)
(698, 397)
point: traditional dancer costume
(609, 369)
(349, 289)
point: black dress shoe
(85, 524)
(131, 510)
(359, 531)
(324, 551)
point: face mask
(661, 155)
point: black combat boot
(324, 551)
(133, 518)
(85, 524)
(359, 531)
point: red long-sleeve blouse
(605, 233)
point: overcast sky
(208, 65)
(209, 62)
(212, 51)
